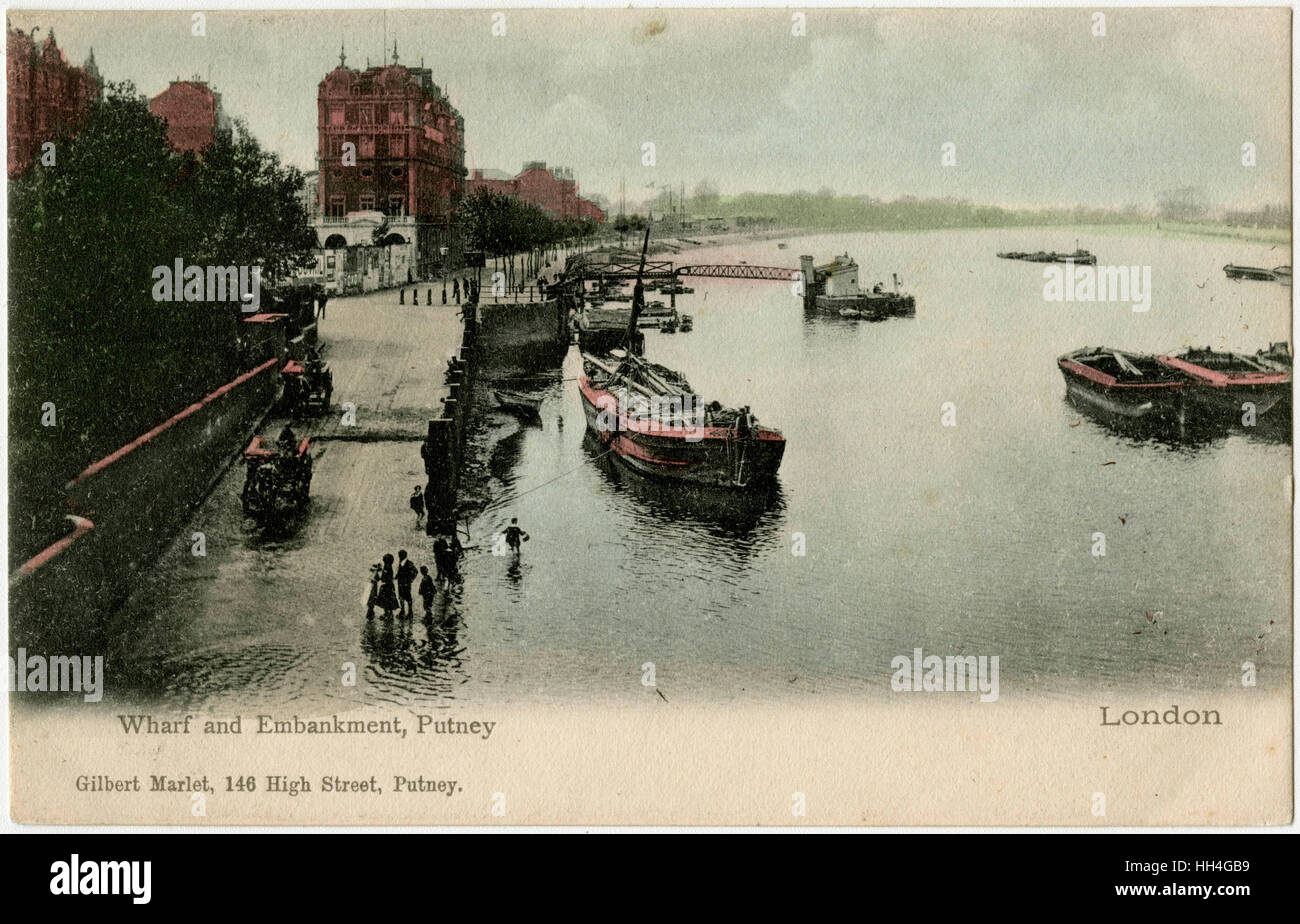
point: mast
(638, 294)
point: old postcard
(650, 417)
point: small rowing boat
(528, 405)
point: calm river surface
(974, 539)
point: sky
(1040, 111)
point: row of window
(366, 172)
(370, 145)
(392, 114)
(337, 207)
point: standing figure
(375, 571)
(441, 560)
(387, 598)
(417, 504)
(405, 578)
(514, 536)
(426, 591)
(455, 289)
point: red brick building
(553, 190)
(409, 149)
(192, 112)
(48, 98)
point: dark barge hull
(869, 305)
(1079, 258)
(1221, 394)
(1147, 401)
(1232, 271)
(718, 459)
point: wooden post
(440, 466)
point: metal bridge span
(662, 269)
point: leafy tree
(84, 238)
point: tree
(705, 195)
(84, 239)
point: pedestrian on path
(426, 591)
(417, 504)
(375, 570)
(441, 561)
(405, 578)
(387, 598)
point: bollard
(415, 297)
(428, 297)
(401, 296)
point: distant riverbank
(673, 243)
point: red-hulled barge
(1223, 382)
(1118, 382)
(705, 445)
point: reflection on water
(407, 663)
(747, 518)
(1191, 436)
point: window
(336, 115)
(396, 205)
(351, 114)
(338, 206)
(396, 114)
(397, 172)
(397, 146)
(367, 202)
(367, 113)
(367, 146)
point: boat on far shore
(1258, 273)
(1080, 256)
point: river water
(976, 538)
(973, 539)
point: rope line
(503, 501)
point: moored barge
(1080, 257)
(651, 418)
(1129, 385)
(1223, 382)
(1258, 273)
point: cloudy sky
(1041, 111)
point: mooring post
(440, 464)
(455, 405)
